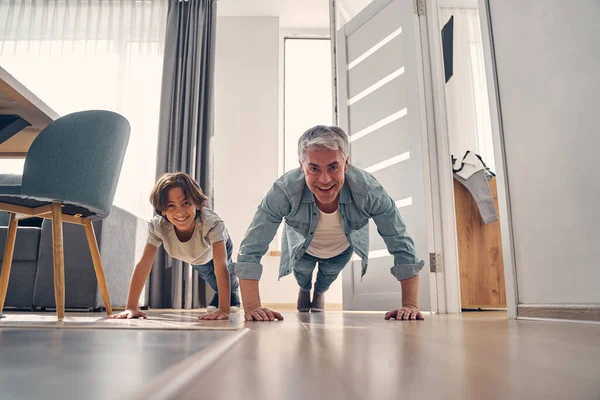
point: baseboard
(292, 306)
(273, 306)
(573, 312)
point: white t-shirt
(209, 229)
(329, 239)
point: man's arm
(407, 265)
(261, 232)
(410, 292)
(410, 301)
(252, 307)
(390, 226)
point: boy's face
(324, 173)
(180, 211)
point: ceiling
(306, 14)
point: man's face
(324, 174)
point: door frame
(449, 275)
(439, 189)
(508, 247)
(450, 241)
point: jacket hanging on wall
(473, 174)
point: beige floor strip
(177, 378)
(155, 321)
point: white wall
(246, 114)
(548, 62)
(247, 141)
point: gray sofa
(121, 239)
(24, 265)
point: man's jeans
(329, 270)
(207, 271)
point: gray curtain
(185, 132)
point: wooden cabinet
(479, 253)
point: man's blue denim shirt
(361, 197)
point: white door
(379, 107)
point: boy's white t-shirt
(209, 229)
(329, 239)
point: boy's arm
(138, 280)
(223, 284)
(140, 275)
(219, 260)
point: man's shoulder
(360, 182)
(292, 183)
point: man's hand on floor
(405, 313)
(261, 314)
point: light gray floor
(331, 356)
(90, 364)
(360, 356)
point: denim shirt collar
(309, 197)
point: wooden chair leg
(8, 256)
(93, 244)
(59, 260)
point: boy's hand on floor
(262, 314)
(129, 314)
(215, 315)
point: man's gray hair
(323, 137)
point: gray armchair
(70, 174)
(121, 239)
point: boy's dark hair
(191, 190)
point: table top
(16, 99)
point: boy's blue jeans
(207, 271)
(329, 269)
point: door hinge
(420, 7)
(434, 259)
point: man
(326, 204)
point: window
(307, 92)
(107, 55)
(308, 101)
